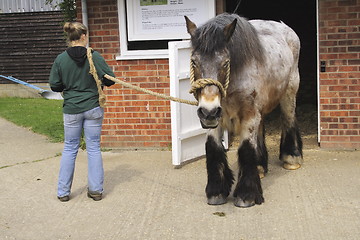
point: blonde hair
(74, 30)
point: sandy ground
(147, 198)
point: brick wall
(136, 120)
(339, 45)
(132, 119)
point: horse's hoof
(216, 200)
(291, 162)
(261, 171)
(289, 166)
(243, 204)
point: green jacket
(70, 75)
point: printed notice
(164, 19)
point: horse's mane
(243, 46)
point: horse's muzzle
(209, 119)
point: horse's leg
(220, 177)
(262, 166)
(291, 143)
(248, 191)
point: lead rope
(102, 97)
(199, 83)
(195, 103)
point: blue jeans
(91, 122)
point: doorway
(301, 17)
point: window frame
(125, 53)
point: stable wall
(136, 120)
(339, 46)
(132, 119)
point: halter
(203, 82)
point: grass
(40, 115)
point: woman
(81, 110)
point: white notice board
(164, 19)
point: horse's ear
(191, 27)
(229, 29)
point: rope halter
(203, 82)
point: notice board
(164, 19)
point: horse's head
(210, 59)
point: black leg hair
(248, 191)
(291, 143)
(220, 177)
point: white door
(188, 137)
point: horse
(253, 68)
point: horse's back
(277, 31)
(281, 48)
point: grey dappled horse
(263, 73)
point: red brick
(339, 113)
(336, 22)
(354, 22)
(355, 139)
(329, 56)
(354, 88)
(347, 2)
(329, 94)
(347, 15)
(330, 107)
(354, 62)
(336, 50)
(162, 61)
(146, 61)
(348, 55)
(338, 88)
(348, 94)
(329, 132)
(348, 68)
(131, 115)
(335, 36)
(340, 62)
(354, 75)
(344, 42)
(334, 10)
(354, 35)
(340, 138)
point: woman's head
(75, 31)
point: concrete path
(146, 198)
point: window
(140, 35)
